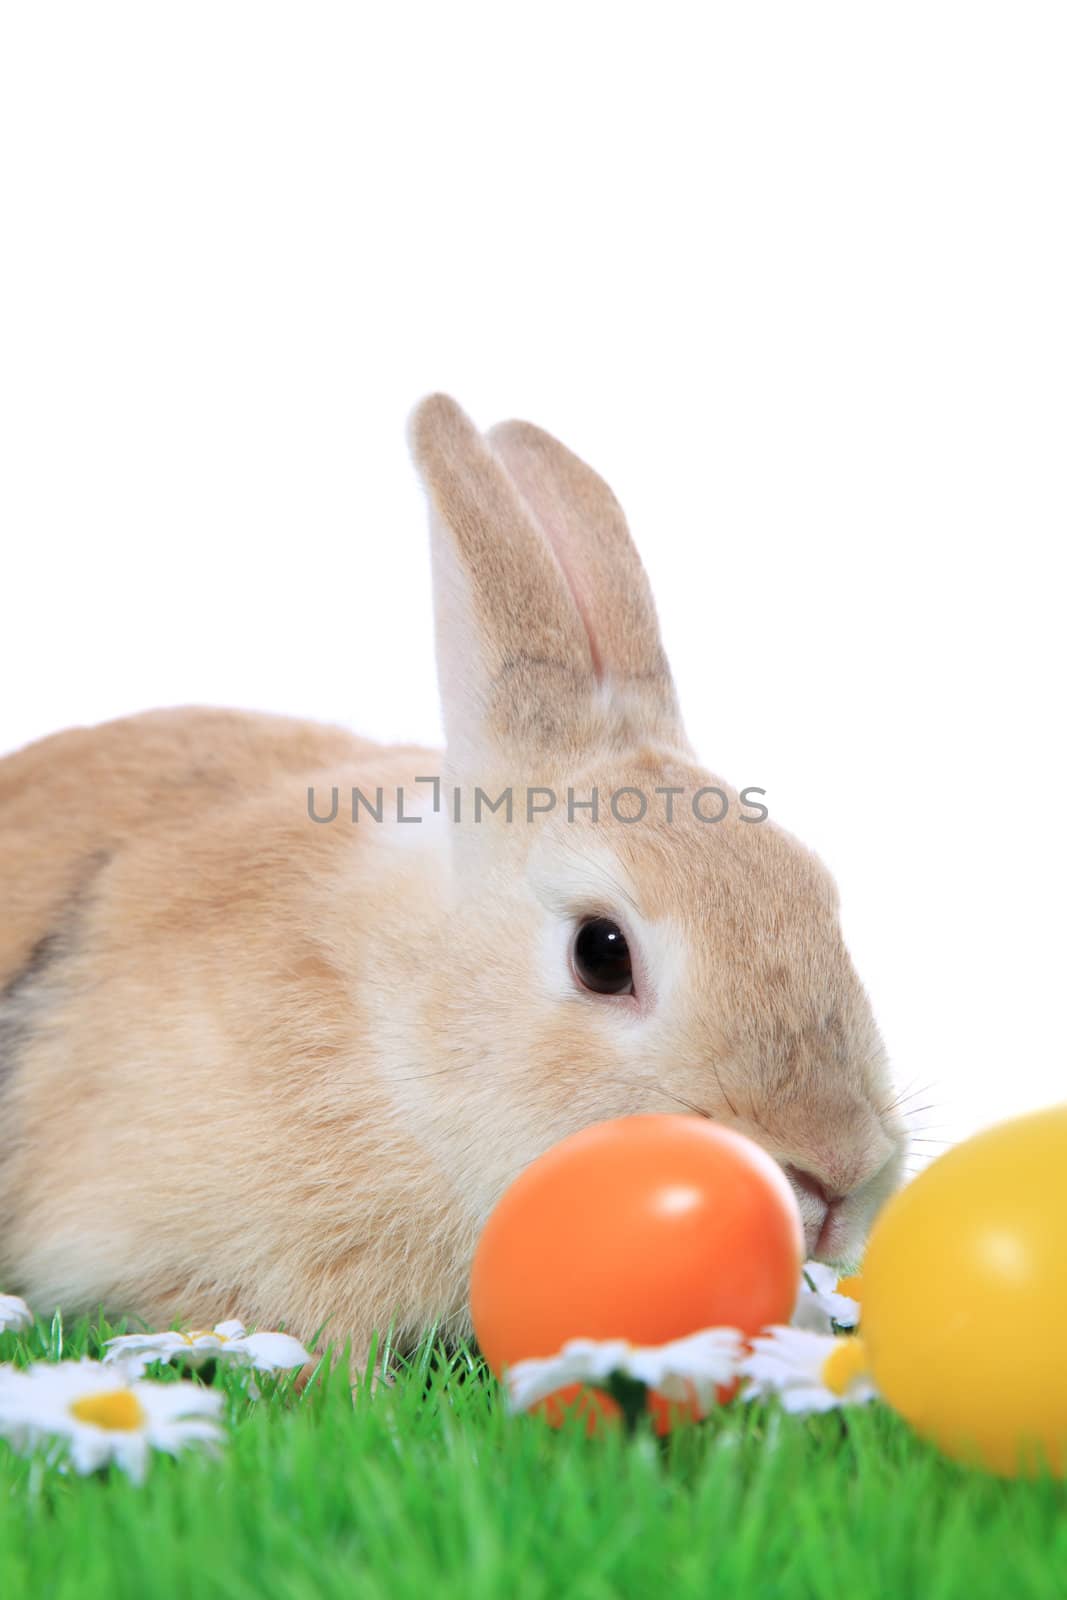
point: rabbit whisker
(908, 1091)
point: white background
(791, 276)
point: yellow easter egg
(965, 1298)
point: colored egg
(646, 1228)
(965, 1298)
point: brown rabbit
(258, 1062)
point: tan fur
(256, 1065)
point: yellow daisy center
(846, 1362)
(204, 1333)
(118, 1410)
(852, 1286)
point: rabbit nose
(818, 1206)
(809, 1183)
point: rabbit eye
(602, 957)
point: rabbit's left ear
(547, 641)
(585, 527)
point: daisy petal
(695, 1367)
(274, 1352)
(230, 1330)
(15, 1314)
(98, 1414)
(807, 1371)
(228, 1341)
(819, 1306)
(580, 1361)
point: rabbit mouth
(817, 1228)
(819, 1210)
(830, 1235)
(836, 1220)
(825, 1238)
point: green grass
(429, 1489)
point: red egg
(646, 1228)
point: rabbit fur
(261, 1065)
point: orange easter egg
(645, 1228)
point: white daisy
(819, 1305)
(694, 1367)
(100, 1415)
(807, 1371)
(227, 1341)
(15, 1314)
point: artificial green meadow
(428, 1488)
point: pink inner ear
(539, 499)
(553, 533)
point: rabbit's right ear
(529, 664)
(514, 659)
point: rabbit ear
(584, 524)
(513, 656)
(546, 637)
